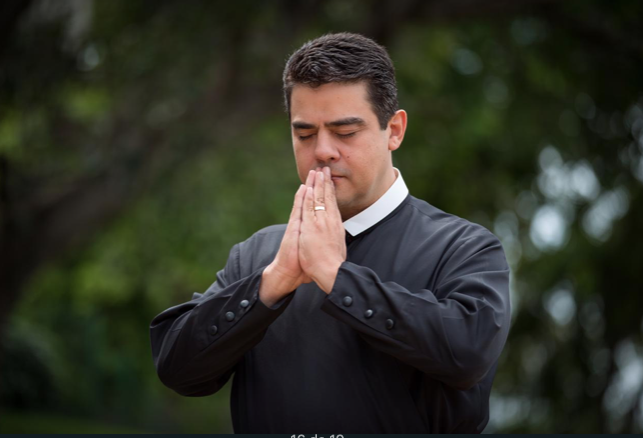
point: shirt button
(244, 303)
(229, 316)
(389, 324)
(368, 313)
(213, 330)
(347, 301)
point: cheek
(302, 160)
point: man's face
(334, 125)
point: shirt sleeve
(455, 333)
(197, 345)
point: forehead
(330, 102)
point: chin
(343, 203)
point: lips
(333, 176)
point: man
(371, 311)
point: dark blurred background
(139, 140)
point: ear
(397, 126)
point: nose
(325, 149)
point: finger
(329, 192)
(307, 213)
(318, 190)
(298, 202)
(310, 179)
(295, 214)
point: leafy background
(139, 140)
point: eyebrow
(335, 123)
(302, 125)
(346, 121)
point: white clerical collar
(381, 208)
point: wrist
(274, 286)
(327, 275)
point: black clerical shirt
(407, 341)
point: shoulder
(455, 238)
(267, 234)
(435, 219)
(265, 237)
(261, 248)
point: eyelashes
(306, 137)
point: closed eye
(347, 135)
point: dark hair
(348, 58)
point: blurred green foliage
(527, 120)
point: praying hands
(313, 247)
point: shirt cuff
(357, 300)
